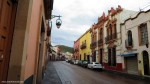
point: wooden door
(7, 17)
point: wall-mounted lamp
(58, 21)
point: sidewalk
(51, 75)
(131, 76)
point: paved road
(73, 74)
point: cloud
(79, 15)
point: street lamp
(58, 21)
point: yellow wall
(86, 36)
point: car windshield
(96, 63)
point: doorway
(101, 56)
(88, 58)
(7, 20)
(146, 63)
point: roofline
(83, 35)
(132, 18)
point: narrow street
(73, 74)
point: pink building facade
(76, 49)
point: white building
(135, 44)
(112, 35)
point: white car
(95, 65)
(76, 62)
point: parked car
(76, 61)
(72, 61)
(67, 60)
(85, 63)
(95, 65)
(80, 62)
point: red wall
(118, 67)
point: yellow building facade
(84, 50)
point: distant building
(68, 55)
(76, 49)
(58, 52)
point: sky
(79, 15)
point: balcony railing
(111, 37)
(83, 46)
(128, 44)
(100, 42)
(93, 44)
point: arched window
(129, 38)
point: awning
(129, 55)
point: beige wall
(32, 42)
(20, 38)
(25, 46)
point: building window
(115, 31)
(110, 31)
(129, 38)
(101, 33)
(143, 34)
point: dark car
(80, 62)
(72, 61)
(85, 63)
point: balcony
(100, 42)
(128, 44)
(83, 46)
(111, 37)
(93, 44)
(76, 50)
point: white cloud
(79, 15)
